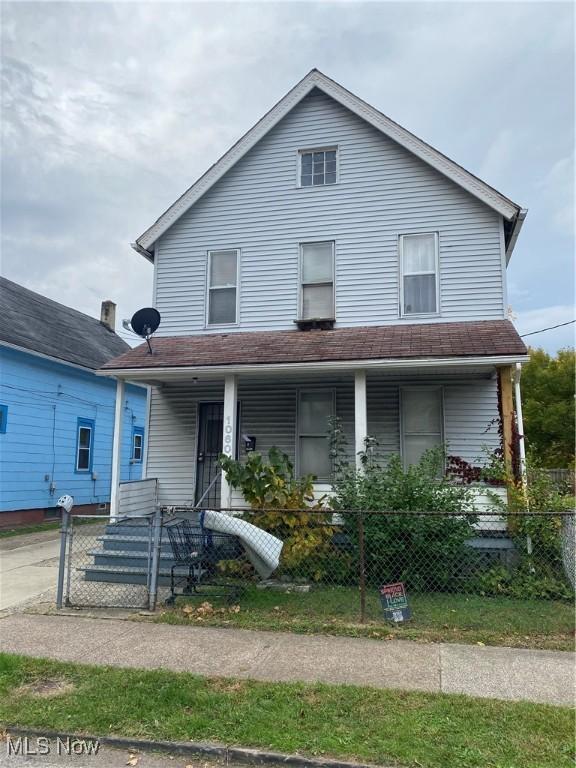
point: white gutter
(175, 372)
(50, 358)
(515, 232)
(520, 421)
(142, 251)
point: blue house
(56, 415)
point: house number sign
(228, 436)
(395, 602)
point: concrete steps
(122, 554)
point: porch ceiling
(479, 344)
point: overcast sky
(111, 110)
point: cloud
(111, 110)
(498, 156)
(558, 192)
(545, 317)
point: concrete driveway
(28, 567)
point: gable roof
(511, 211)
(33, 322)
(475, 339)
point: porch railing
(138, 497)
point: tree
(548, 406)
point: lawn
(23, 529)
(437, 617)
(410, 729)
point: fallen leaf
(480, 643)
(133, 760)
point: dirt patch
(227, 686)
(46, 688)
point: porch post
(229, 434)
(117, 448)
(360, 415)
(507, 410)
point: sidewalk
(28, 567)
(501, 673)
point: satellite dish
(145, 322)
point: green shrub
(426, 551)
(521, 583)
(270, 485)
(535, 526)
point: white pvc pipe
(520, 421)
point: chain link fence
(346, 565)
(351, 558)
(108, 562)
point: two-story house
(330, 263)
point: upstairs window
(419, 268)
(222, 287)
(314, 411)
(318, 167)
(317, 281)
(137, 445)
(422, 420)
(84, 445)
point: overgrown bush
(545, 557)
(426, 551)
(270, 484)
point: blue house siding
(45, 401)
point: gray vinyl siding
(383, 191)
(268, 412)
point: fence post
(156, 541)
(62, 560)
(362, 567)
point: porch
(409, 387)
(192, 419)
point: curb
(227, 753)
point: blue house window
(84, 445)
(3, 418)
(137, 444)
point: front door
(210, 427)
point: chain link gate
(109, 563)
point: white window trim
(420, 388)
(306, 150)
(401, 238)
(209, 287)
(301, 275)
(135, 447)
(90, 449)
(306, 390)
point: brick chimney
(108, 315)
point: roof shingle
(33, 322)
(468, 339)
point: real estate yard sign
(395, 602)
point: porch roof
(423, 341)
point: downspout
(520, 423)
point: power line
(551, 328)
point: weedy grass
(436, 617)
(378, 726)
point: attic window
(318, 167)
